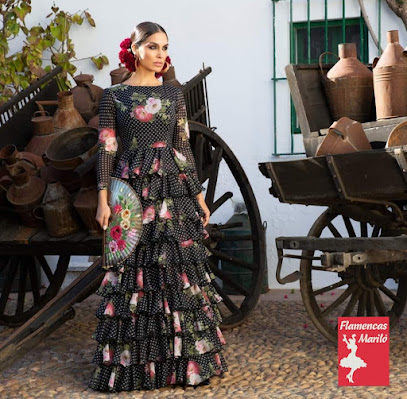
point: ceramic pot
(348, 86)
(390, 79)
(58, 211)
(86, 96)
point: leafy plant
(41, 45)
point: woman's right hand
(103, 211)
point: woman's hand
(103, 212)
(202, 203)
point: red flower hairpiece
(127, 58)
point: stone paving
(277, 353)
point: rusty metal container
(25, 194)
(390, 80)
(66, 116)
(348, 86)
(86, 203)
(86, 96)
(72, 148)
(58, 211)
(344, 135)
(43, 133)
(12, 157)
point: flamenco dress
(158, 319)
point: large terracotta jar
(86, 96)
(390, 80)
(349, 86)
(66, 117)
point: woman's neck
(143, 78)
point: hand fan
(124, 230)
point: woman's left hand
(207, 213)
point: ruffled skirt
(158, 318)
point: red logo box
(363, 351)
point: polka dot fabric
(158, 318)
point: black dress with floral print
(158, 320)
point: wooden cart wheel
(362, 290)
(16, 309)
(215, 159)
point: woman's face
(153, 52)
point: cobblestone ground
(277, 353)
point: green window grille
(321, 37)
(309, 39)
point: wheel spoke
(44, 266)
(199, 144)
(351, 304)
(349, 226)
(232, 259)
(220, 201)
(342, 298)
(370, 303)
(21, 289)
(333, 230)
(10, 272)
(227, 279)
(386, 291)
(331, 287)
(376, 231)
(363, 229)
(380, 306)
(213, 177)
(226, 300)
(362, 304)
(32, 270)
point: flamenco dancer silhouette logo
(363, 351)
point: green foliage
(20, 69)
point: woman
(159, 321)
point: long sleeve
(107, 139)
(181, 134)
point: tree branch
(399, 7)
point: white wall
(234, 37)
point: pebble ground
(276, 353)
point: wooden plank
(11, 231)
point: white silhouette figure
(351, 361)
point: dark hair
(145, 29)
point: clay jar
(43, 133)
(348, 86)
(86, 96)
(25, 194)
(58, 211)
(66, 116)
(390, 80)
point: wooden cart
(23, 249)
(353, 260)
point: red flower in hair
(125, 44)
